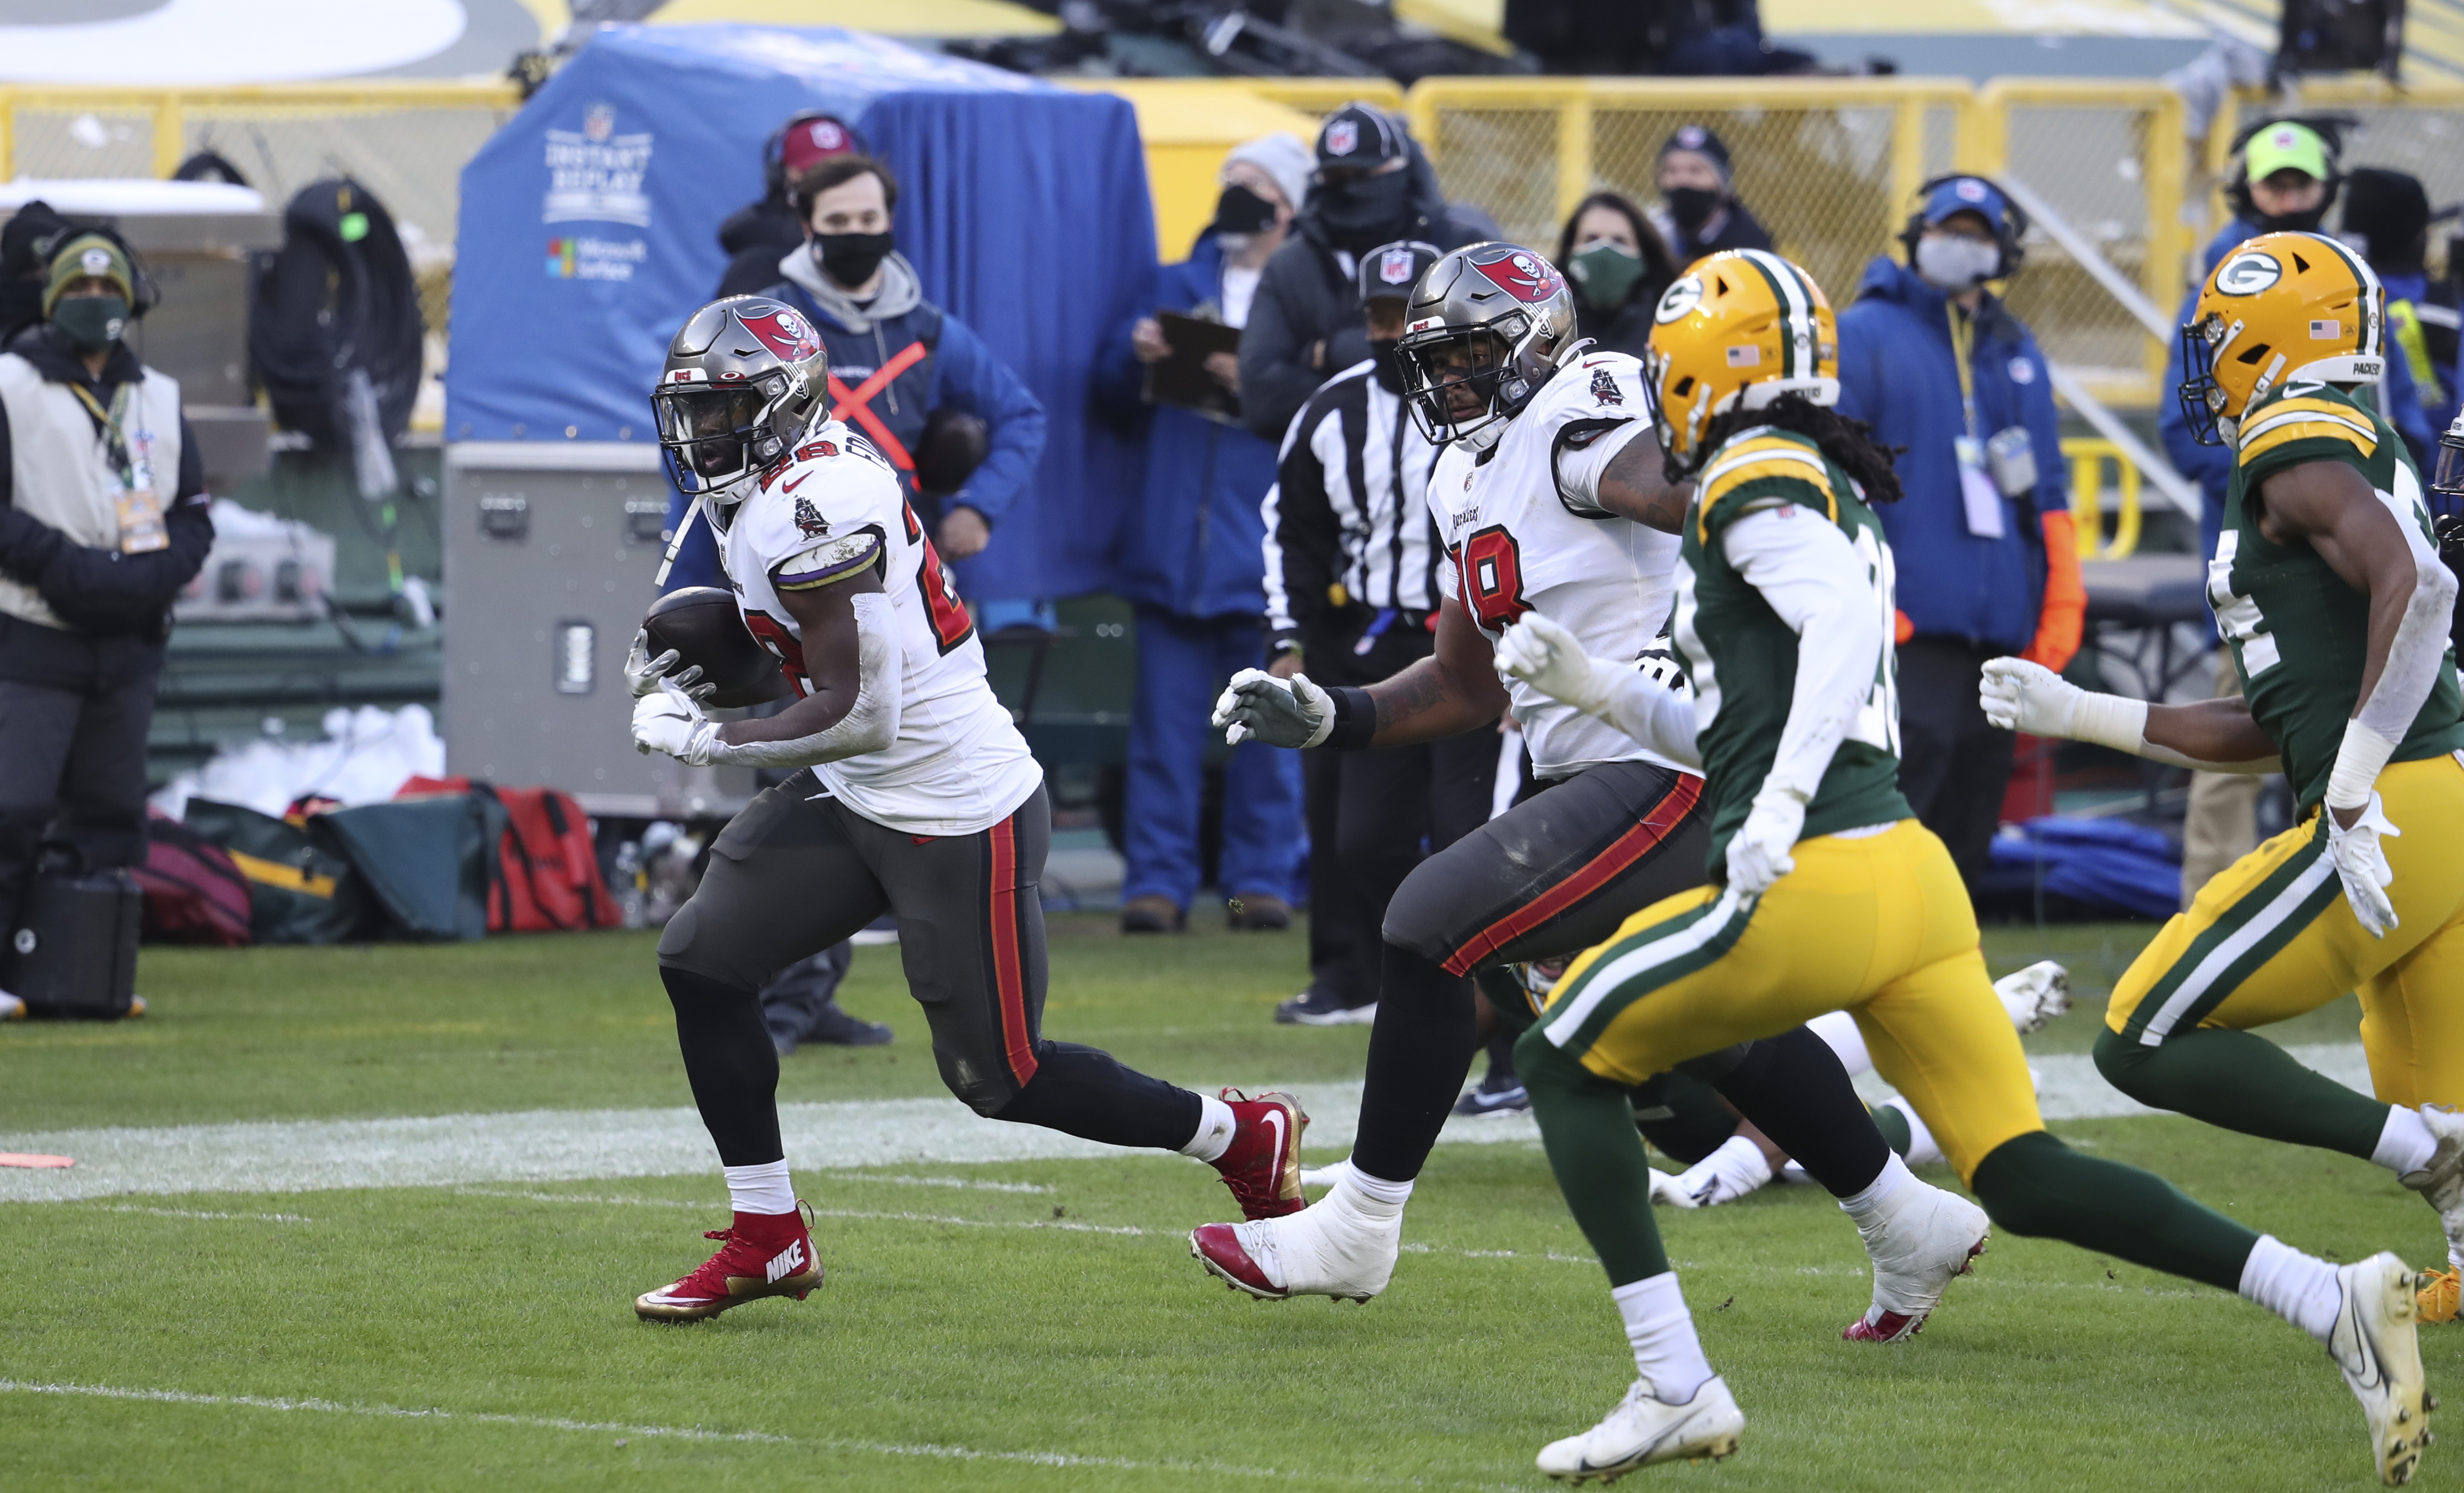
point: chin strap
(667, 563)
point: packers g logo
(1682, 298)
(2248, 273)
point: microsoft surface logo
(559, 258)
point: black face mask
(1361, 214)
(1692, 207)
(1389, 363)
(2290, 222)
(850, 258)
(1241, 211)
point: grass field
(1034, 1324)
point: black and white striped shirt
(1348, 521)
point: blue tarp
(589, 229)
(2110, 865)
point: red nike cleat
(1217, 1247)
(1262, 1164)
(760, 1254)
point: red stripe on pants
(1658, 821)
(1009, 977)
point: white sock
(1867, 1206)
(1724, 1176)
(1215, 1128)
(1923, 1149)
(760, 1189)
(2406, 1144)
(1371, 1197)
(1838, 1032)
(1666, 1352)
(2294, 1286)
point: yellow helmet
(1736, 331)
(2282, 306)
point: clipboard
(1182, 380)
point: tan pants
(2221, 825)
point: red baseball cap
(809, 138)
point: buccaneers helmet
(740, 384)
(1736, 331)
(2282, 306)
(1482, 332)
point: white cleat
(1644, 1430)
(1668, 1192)
(2376, 1345)
(12, 1009)
(1929, 1239)
(1329, 1249)
(2442, 1181)
(2036, 995)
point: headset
(2006, 233)
(774, 150)
(148, 295)
(2328, 127)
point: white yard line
(569, 1145)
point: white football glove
(1758, 853)
(2018, 696)
(670, 720)
(1550, 659)
(643, 672)
(1291, 713)
(1666, 1189)
(2362, 865)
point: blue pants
(1182, 665)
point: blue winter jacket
(1897, 373)
(1193, 541)
(2212, 466)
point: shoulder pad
(2305, 411)
(839, 558)
(1764, 463)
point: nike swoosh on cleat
(1275, 1118)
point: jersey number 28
(951, 624)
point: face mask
(1362, 214)
(850, 258)
(1241, 211)
(2291, 222)
(1949, 262)
(1389, 363)
(1692, 207)
(91, 322)
(1606, 274)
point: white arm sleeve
(1660, 717)
(1813, 578)
(1580, 466)
(869, 725)
(2418, 652)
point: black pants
(1343, 964)
(1398, 806)
(71, 777)
(1954, 764)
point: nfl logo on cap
(1971, 190)
(1690, 138)
(1342, 138)
(1394, 266)
(96, 261)
(826, 135)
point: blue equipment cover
(2110, 865)
(589, 233)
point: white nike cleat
(2442, 1181)
(2036, 995)
(1929, 1239)
(1667, 1191)
(1644, 1430)
(2376, 1343)
(1329, 1249)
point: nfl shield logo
(599, 122)
(1342, 137)
(1394, 266)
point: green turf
(962, 1325)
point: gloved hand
(1667, 1190)
(1284, 712)
(1550, 659)
(2018, 696)
(1758, 853)
(2362, 865)
(669, 720)
(643, 674)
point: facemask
(1606, 274)
(1389, 363)
(1362, 214)
(1241, 211)
(1949, 262)
(850, 258)
(1692, 207)
(91, 322)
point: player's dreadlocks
(1848, 442)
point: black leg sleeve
(731, 1063)
(1418, 1053)
(1794, 1090)
(1087, 1092)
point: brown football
(701, 622)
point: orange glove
(1902, 629)
(2064, 615)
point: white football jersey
(1516, 543)
(959, 765)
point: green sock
(1894, 1127)
(1587, 1127)
(2243, 1081)
(2036, 1185)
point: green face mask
(91, 322)
(1606, 273)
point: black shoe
(1314, 1007)
(1258, 913)
(1498, 1094)
(834, 1026)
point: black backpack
(336, 298)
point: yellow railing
(2090, 458)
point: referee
(1352, 597)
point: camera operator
(755, 234)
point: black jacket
(1741, 230)
(1306, 294)
(102, 593)
(756, 237)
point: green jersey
(1742, 657)
(2298, 634)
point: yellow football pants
(2272, 937)
(1876, 925)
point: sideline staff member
(102, 520)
